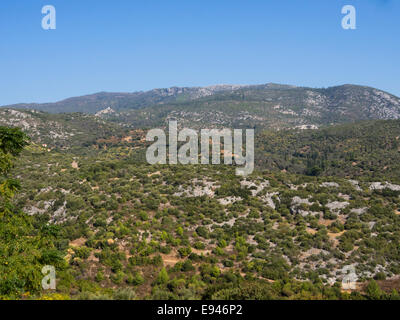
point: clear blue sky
(128, 45)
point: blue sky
(127, 46)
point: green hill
(365, 149)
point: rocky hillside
(368, 148)
(60, 130)
(270, 105)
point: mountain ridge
(92, 103)
(266, 106)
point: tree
(19, 257)
(162, 277)
(12, 141)
(394, 295)
(373, 290)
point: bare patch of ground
(74, 165)
(311, 231)
(78, 242)
(170, 259)
(333, 237)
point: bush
(124, 294)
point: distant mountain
(122, 101)
(270, 106)
(260, 106)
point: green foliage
(12, 141)
(115, 221)
(360, 149)
(373, 291)
(162, 277)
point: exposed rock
(386, 185)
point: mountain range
(267, 106)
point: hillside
(361, 149)
(368, 148)
(61, 130)
(261, 106)
(186, 232)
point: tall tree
(12, 142)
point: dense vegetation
(24, 246)
(116, 228)
(368, 149)
(80, 197)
